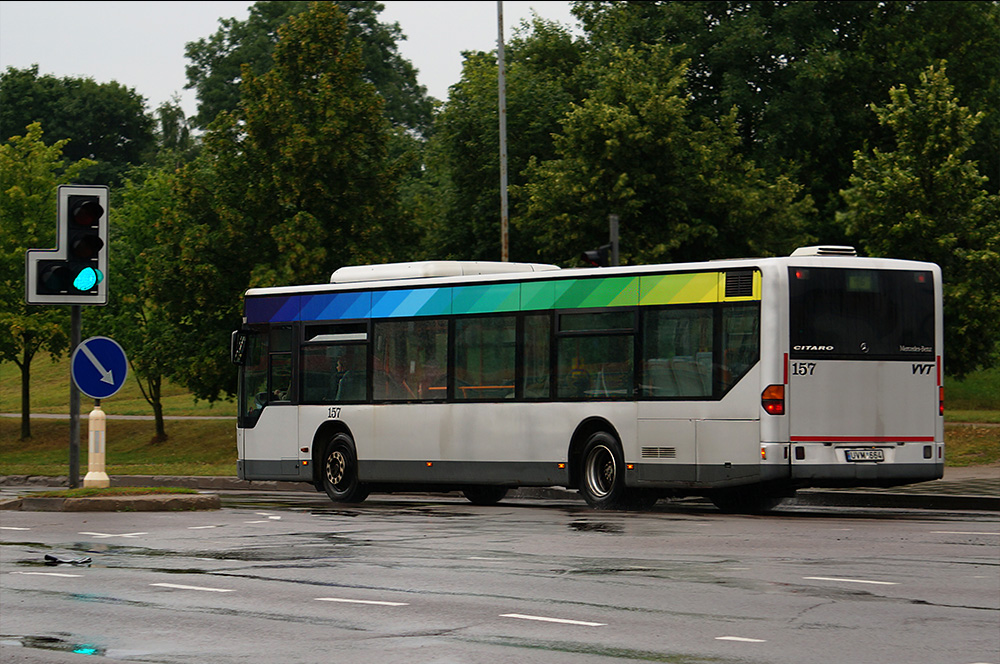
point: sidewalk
(975, 488)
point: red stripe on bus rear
(862, 439)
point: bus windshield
(840, 313)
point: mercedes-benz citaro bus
(740, 380)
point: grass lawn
(194, 447)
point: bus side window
(595, 355)
(740, 342)
(411, 360)
(535, 370)
(280, 364)
(677, 352)
(485, 358)
(253, 391)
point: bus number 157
(803, 368)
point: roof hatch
(428, 269)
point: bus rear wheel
(340, 471)
(602, 476)
(484, 494)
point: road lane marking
(741, 639)
(68, 576)
(360, 601)
(200, 527)
(561, 621)
(178, 586)
(960, 532)
(832, 578)
(106, 535)
(13, 528)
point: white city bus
(740, 380)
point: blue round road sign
(99, 367)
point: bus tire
(602, 475)
(340, 471)
(484, 494)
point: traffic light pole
(74, 402)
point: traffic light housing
(597, 257)
(76, 271)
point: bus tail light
(941, 401)
(773, 399)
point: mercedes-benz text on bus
(740, 380)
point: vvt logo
(922, 369)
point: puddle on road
(596, 527)
(51, 643)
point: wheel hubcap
(335, 465)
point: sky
(141, 44)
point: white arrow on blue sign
(99, 367)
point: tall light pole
(501, 83)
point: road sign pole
(74, 402)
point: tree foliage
(217, 61)
(802, 74)
(30, 172)
(133, 317)
(926, 200)
(296, 182)
(104, 122)
(682, 192)
(463, 158)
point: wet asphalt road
(294, 578)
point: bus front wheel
(602, 477)
(340, 471)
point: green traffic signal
(87, 278)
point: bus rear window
(861, 314)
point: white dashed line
(360, 601)
(13, 528)
(201, 527)
(106, 535)
(741, 639)
(180, 587)
(561, 621)
(831, 578)
(67, 576)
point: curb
(804, 498)
(152, 503)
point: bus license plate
(865, 455)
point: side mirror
(238, 347)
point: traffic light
(76, 271)
(597, 257)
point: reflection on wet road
(292, 577)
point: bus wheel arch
(578, 443)
(598, 463)
(335, 460)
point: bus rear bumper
(865, 474)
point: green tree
(802, 74)
(30, 173)
(925, 200)
(105, 122)
(216, 70)
(133, 317)
(295, 183)
(463, 159)
(681, 193)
